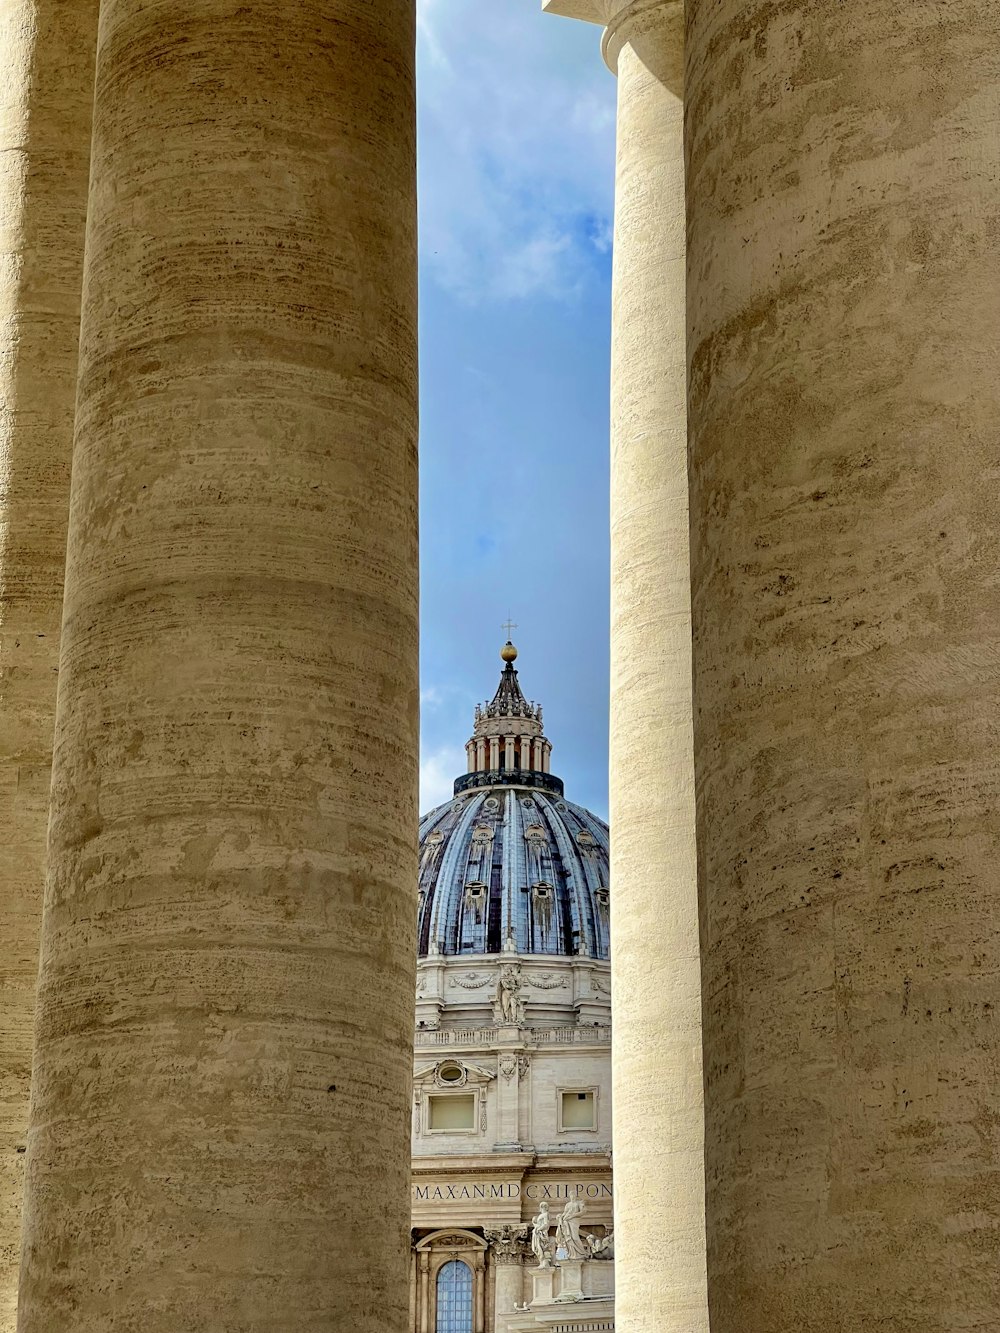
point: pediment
(472, 1075)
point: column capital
(508, 1243)
(624, 20)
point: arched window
(454, 1297)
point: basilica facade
(512, 1052)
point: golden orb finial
(508, 652)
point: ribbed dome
(503, 859)
(509, 864)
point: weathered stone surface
(46, 89)
(844, 286)
(657, 1071)
(220, 1129)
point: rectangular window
(578, 1110)
(452, 1112)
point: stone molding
(634, 21)
(624, 22)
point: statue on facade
(541, 1245)
(568, 1236)
(509, 1004)
(602, 1247)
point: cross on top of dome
(507, 744)
(509, 700)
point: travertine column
(506, 1263)
(46, 91)
(223, 1052)
(844, 298)
(657, 1074)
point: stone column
(844, 290)
(46, 92)
(657, 1069)
(224, 1039)
(480, 755)
(494, 753)
(506, 1260)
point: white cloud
(438, 770)
(516, 149)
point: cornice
(634, 21)
(624, 22)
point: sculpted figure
(568, 1236)
(541, 1246)
(510, 1001)
(602, 1247)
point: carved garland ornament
(472, 980)
(547, 981)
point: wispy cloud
(438, 771)
(516, 172)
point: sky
(516, 115)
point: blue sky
(516, 179)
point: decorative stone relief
(508, 1243)
(508, 1067)
(523, 1064)
(546, 980)
(472, 980)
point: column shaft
(657, 1070)
(844, 290)
(507, 1289)
(46, 91)
(223, 1049)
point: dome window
(535, 833)
(482, 833)
(603, 896)
(475, 898)
(586, 839)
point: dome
(509, 865)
